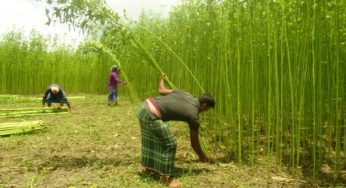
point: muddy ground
(99, 146)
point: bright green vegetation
(29, 66)
(276, 68)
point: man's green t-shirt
(179, 106)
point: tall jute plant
(95, 17)
(99, 48)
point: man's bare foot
(170, 181)
(175, 184)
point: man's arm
(162, 88)
(45, 96)
(65, 100)
(68, 106)
(197, 147)
(117, 79)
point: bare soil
(99, 146)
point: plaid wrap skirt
(158, 143)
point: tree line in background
(276, 68)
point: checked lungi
(158, 143)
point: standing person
(55, 94)
(113, 85)
(158, 143)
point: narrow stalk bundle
(20, 127)
(9, 99)
(35, 99)
(19, 112)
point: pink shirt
(114, 80)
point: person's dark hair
(114, 68)
(206, 98)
